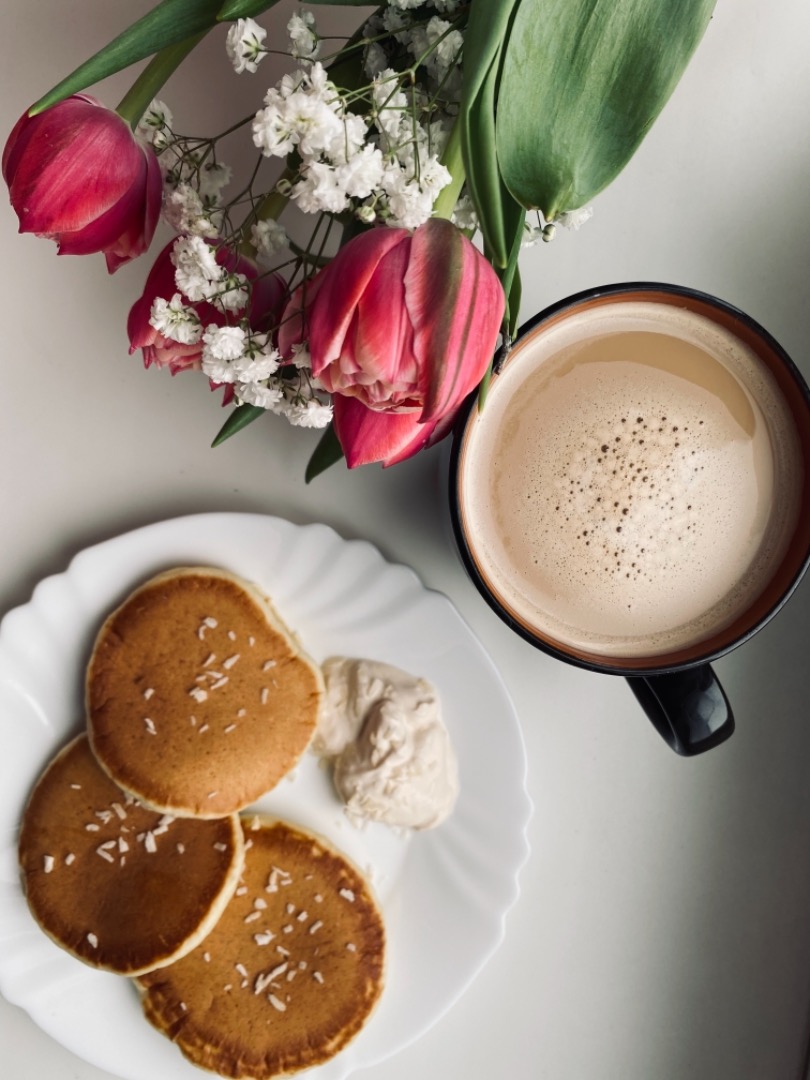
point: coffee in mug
(630, 495)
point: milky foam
(642, 483)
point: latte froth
(638, 481)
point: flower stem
(454, 163)
(271, 206)
(163, 64)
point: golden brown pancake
(119, 886)
(291, 971)
(198, 698)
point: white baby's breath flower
(272, 133)
(575, 219)
(197, 272)
(232, 293)
(264, 397)
(304, 41)
(183, 211)
(348, 140)
(218, 371)
(464, 215)
(223, 342)
(300, 356)
(174, 320)
(309, 414)
(257, 370)
(320, 189)
(374, 59)
(303, 111)
(268, 237)
(244, 45)
(154, 127)
(406, 5)
(532, 234)
(433, 176)
(362, 173)
(315, 122)
(448, 44)
(409, 202)
(213, 178)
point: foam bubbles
(630, 493)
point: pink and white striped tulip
(401, 327)
(76, 174)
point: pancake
(121, 887)
(199, 700)
(289, 974)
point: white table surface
(663, 931)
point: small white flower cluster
(268, 238)
(249, 363)
(388, 168)
(434, 45)
(545, 230)
(413, 175)
(304, 41)
(199, 276)
(245, 42)
(155, 126)
(175, 320)
(192, 184)
(245, 45)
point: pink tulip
(401, 326)
(268, 293)
(77, 175)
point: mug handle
(689, 709)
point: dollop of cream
(393, 760)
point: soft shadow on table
(411, 507)
(740, 912)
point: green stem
(452, 160)
(163, 64)
(271, 206)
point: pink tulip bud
(401, 327)
(268, 293)
(77, 175)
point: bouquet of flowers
(425, 149)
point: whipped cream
(393, 760)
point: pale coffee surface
(632, 481)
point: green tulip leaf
(327, 453)
(487, 31)
(247, 9)
(581, 84)
(172, 21)
(238, 419)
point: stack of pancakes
(257, 947)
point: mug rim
(612, 665)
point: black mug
(631, 495)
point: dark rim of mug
(614, 665)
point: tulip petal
(344, 282)
(367, 436)
(294, 326)
(379, 341)
(138, 236)
(105, 230)
(456, 305)
(69, 165)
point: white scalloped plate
(444, 893)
